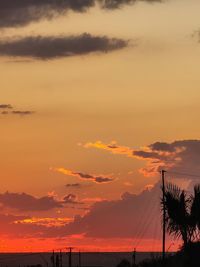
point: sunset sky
(96, 97)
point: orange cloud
(111, 147)
(85, 176)
(47, 222)
(156, 158)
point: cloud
(75, 185)
(43, 221)
(14, 226)
(127, 217)
(111, 147)
(7, 109)
(85, 176)
(25, 202)
(22, 12)
(176, 156)
(5, 106)
(50, 47)
(113, 4)
(22, 113)
(71, 199)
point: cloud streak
(84, 176)
(5, 106)
(50, 47)
(75, 185)
(22, 113)
(7, 109)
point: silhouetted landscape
(100, 133)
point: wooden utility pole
(164, 213)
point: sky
(96, 96)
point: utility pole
(79, 258)
(134, 258)
(53, 259)
(70, 256)
(61, 265)
(164, 213)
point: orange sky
(78, 132)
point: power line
(184, 173)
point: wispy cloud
(5, 106)
(50, 47)
(97, 179)
(7, 109)
(23, 113)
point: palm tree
(195, 212)
(178, 217)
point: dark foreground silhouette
(189, 256)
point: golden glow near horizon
(138, 95)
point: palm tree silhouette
(182, 213)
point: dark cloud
(71, 199)
(187, 153)
(177, 156)
(123, 218)
(145, 154)
(26, 202)
(5, 106)
(7, 109)
(100, 179)
(73, 185)
(162, 146)
(181, 156)
(131, 216)
(21, 12)
(14, 13)
(97, 179)
(84, 175)
(62, 46)
(113, 4)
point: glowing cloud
(97, 179)
(155, 157)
